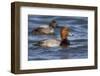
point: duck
(45, 29)
(63, 42)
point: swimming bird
(45, 29)
(64, 42)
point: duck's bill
(70, 34)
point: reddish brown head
(64, 32)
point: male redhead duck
(64, 42)
(45, 29)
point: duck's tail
(39, 43)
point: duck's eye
(65, 30)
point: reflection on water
(78, 48)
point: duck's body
(55, 42)
(50, 43)
(45, 29)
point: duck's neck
(51, 28)
(64, 42)
(52, 25)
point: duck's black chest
(65, 42)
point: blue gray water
(78, 48)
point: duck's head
(53, 24)
(64, 36)
(64, 32)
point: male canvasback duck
(64, 32)
(45, 29)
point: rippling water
(78, 48)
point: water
(78, 48)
